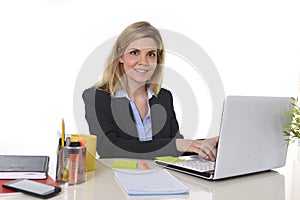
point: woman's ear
(121, 55)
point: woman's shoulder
(93, 93)
(164, 92)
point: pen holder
(70, 167)
(91, 146)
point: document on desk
(150, 182)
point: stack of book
(24, 166)
(30, 167)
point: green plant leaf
(292, 126)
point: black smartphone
(31, 187)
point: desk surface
(284, 183)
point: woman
(129, 111)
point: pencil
(62, 133)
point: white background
(255, 46)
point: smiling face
(139, 61)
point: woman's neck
(134, 92)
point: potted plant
(292, 129)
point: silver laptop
(250, 139)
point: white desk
(283, 183)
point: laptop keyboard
(200, 165)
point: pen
(68, 141)
(144, 165)
(62, 133)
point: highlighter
(74, 163)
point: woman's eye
(152, 54)
(134, 52)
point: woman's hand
(206, 148)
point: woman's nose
(143, 59)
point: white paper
(150, 182)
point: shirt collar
(123, 93)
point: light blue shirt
(144, 128)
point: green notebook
(170, 159)
(125, 164)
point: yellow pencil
(62, 133)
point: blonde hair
(112, 77)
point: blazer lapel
(158, 116)
(123, 116)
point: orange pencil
(144, 165)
